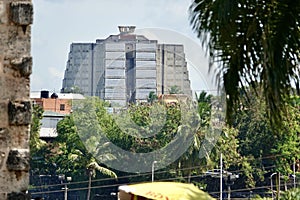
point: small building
(56, 106)
(173, 98)
(49, 123)
(57, 102)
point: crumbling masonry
(15, 108)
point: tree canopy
(250, 148)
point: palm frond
(253, 44)
(95, 166)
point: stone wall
(16, 18)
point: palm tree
(191, 157)
(204, 108)
(203, 97)
(92, 167)
(253, 43)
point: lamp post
(221, 177)
(90, 171)
(154, 162)
(66, 191)
(294, 174)
(230, 181)
(278, 188)
(69, 179)
(62, 178)
(272, 184)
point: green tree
(35, 142)
(152, 97)
(175, 90)
(253, 43)
(38, 147)
(255, 132)
(267, 149)
(293, 194)
(204, 107)
(71, 155)
(158, 123)
(73, 89)
(287, 148)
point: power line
(167, 179)
(254, 188)
(119, 184)
(149, 173)
(158, 172)
(139, 175)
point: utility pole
(230, 181)
(65, 179)
(152, 179)
(294, 173)
(90, 171)
(221, 177)
(66, 191)
(229, 191)
(272, 184)
(278, 186)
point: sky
(58, 23)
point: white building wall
(115, 80)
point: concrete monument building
(125, 68)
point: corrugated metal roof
(51, 113)
(48, 132)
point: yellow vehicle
(162, 191)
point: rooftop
(37, 95)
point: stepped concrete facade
(125, 68)
(16, 18)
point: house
(55, 107)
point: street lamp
(272, 184)
(62, 178)
(230, 181)
(221, 177)
(154, 162)
(90, 171)
(294, 173)
(69, 179)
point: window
(62, 106)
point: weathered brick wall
(15, 108)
